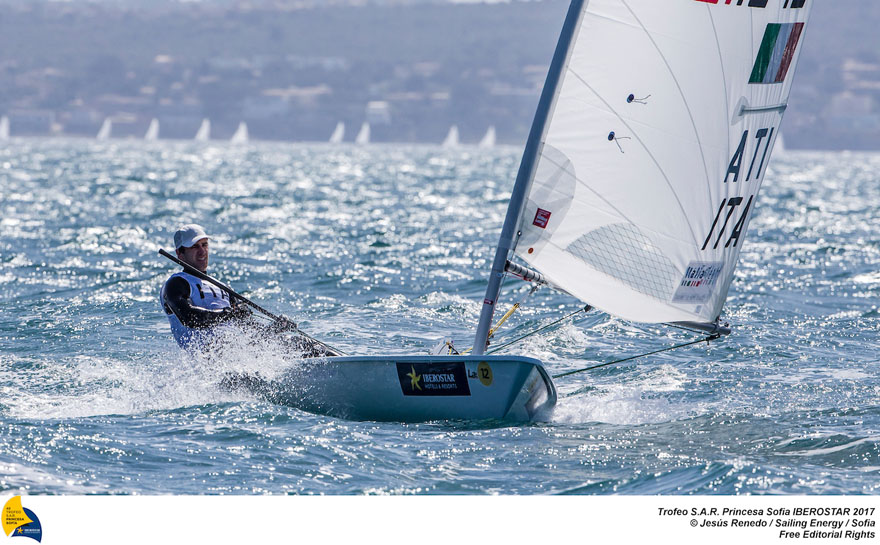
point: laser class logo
(542, 218)
(20, 521)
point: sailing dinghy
(105, 130)
(363, 135)
(241, 134)
(640, 174)
(338, 133)
(204, 132)
(152, 133)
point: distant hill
(412, 68)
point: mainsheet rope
(707, 339)
(586, 308)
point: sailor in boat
(198, 309)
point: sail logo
(752, 3)
(20, 521)
(698, 282)
(699, 274)
(776, 52)
(542, 218)
(793, 4)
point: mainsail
(106, 129)
(451, 139)
(338, 133)
(204, 132)
(488, 140)
(363, 136)
(152, 133)
(241, 134)
(652, 138)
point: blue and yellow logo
(20, 521)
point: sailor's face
(196, 255)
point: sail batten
(681, 93)
(655, 145)
(647, 150)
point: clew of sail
(655, 145)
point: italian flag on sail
(777, 51)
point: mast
(527, 171)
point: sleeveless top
(203, 294)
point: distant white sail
(656, 142)
(241, 134)
(779, 145)
(488, 140)
(204, 132)
(363, 136)
(338, 133)
(451, 139)
(106, 129)
(4, 128)
(152, 130)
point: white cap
(188, 235)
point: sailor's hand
(283, 324)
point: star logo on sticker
(414, 378)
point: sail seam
(583, 182)
(687, 107)
(650, 154)
(610, 205)
(726, 97)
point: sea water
(386, 249)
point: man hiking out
(196, 307)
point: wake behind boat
(638, 180)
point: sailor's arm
(177, 299)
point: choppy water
(384, 249)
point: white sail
(153, 130)
(488, 140)
(241, 134)
(4, 128)
(338, 133)
(363, 136)
(105, 130)
(779, 145)
(204, 132)
(451, 139)
(654, 150)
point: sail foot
(712, 328)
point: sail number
(732, 206)
(748, 163)
(760, 141)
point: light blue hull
(414, 388)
